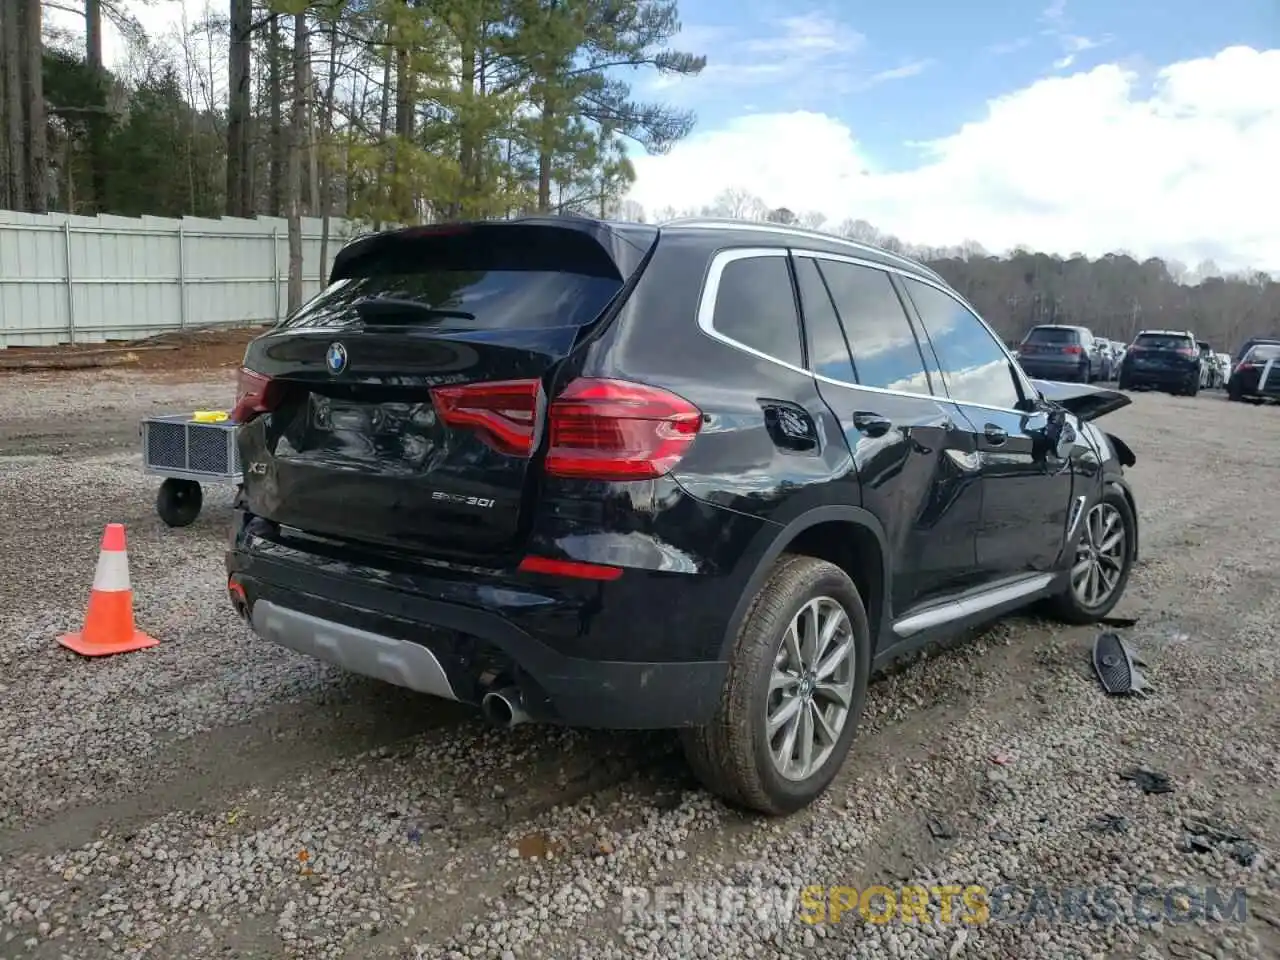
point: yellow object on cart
(210, 416)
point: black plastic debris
(1117, 667)
(1205, 835)
(939, 829)
(1109, 823)
(1151, 781)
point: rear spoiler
(1085, 402)
(529, 243)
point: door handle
(872, 424)
(995, 435)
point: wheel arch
(847, 536)
(1119, 484)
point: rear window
(1053, 335)
(1162, 341)
(1262, 354)
(460, 300)
(478, 279)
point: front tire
(1104, 558)
(794, 693)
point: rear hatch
(402, 406)
(1060, 344)
(1163, 352)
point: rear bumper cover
(1172, 376)
(436, 646)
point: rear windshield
(461, 300)
(1053, 335)
(1262, 354)
(486, 278)
(1162, 341)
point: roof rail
(741, 223)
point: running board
(972, 605)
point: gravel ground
(216, 797)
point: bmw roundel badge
(336, 358)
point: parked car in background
(1166, 360)
(1106, 358)
(1257, 375)
(1249, 345)
(1225, 366)
(516, 504)
(1059, 352)
(1208, 366)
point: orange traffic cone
(108, 626)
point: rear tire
(1124, 383)
(1074, 604)
(734, 754)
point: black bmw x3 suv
(706, 475)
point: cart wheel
(179, 501)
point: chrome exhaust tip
(504, 708)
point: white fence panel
(68, 279)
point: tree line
(384, 111)
(1116, 295)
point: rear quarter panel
(735, 463)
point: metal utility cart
(187, 450)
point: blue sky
(912, 71)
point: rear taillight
(569, 568)
(502, 413)
(615, 430)
(1189, 352)
(256, 394)
(1073, 349)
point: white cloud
(912, 68)
(1179, 164)
(1057, 26)
(805, 51)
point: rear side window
(756, 306)
(496, 279)
(885, 351)
(1053, 335)
(1163, 341)
(828, 350)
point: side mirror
(1051, 433)
(1066, 440)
